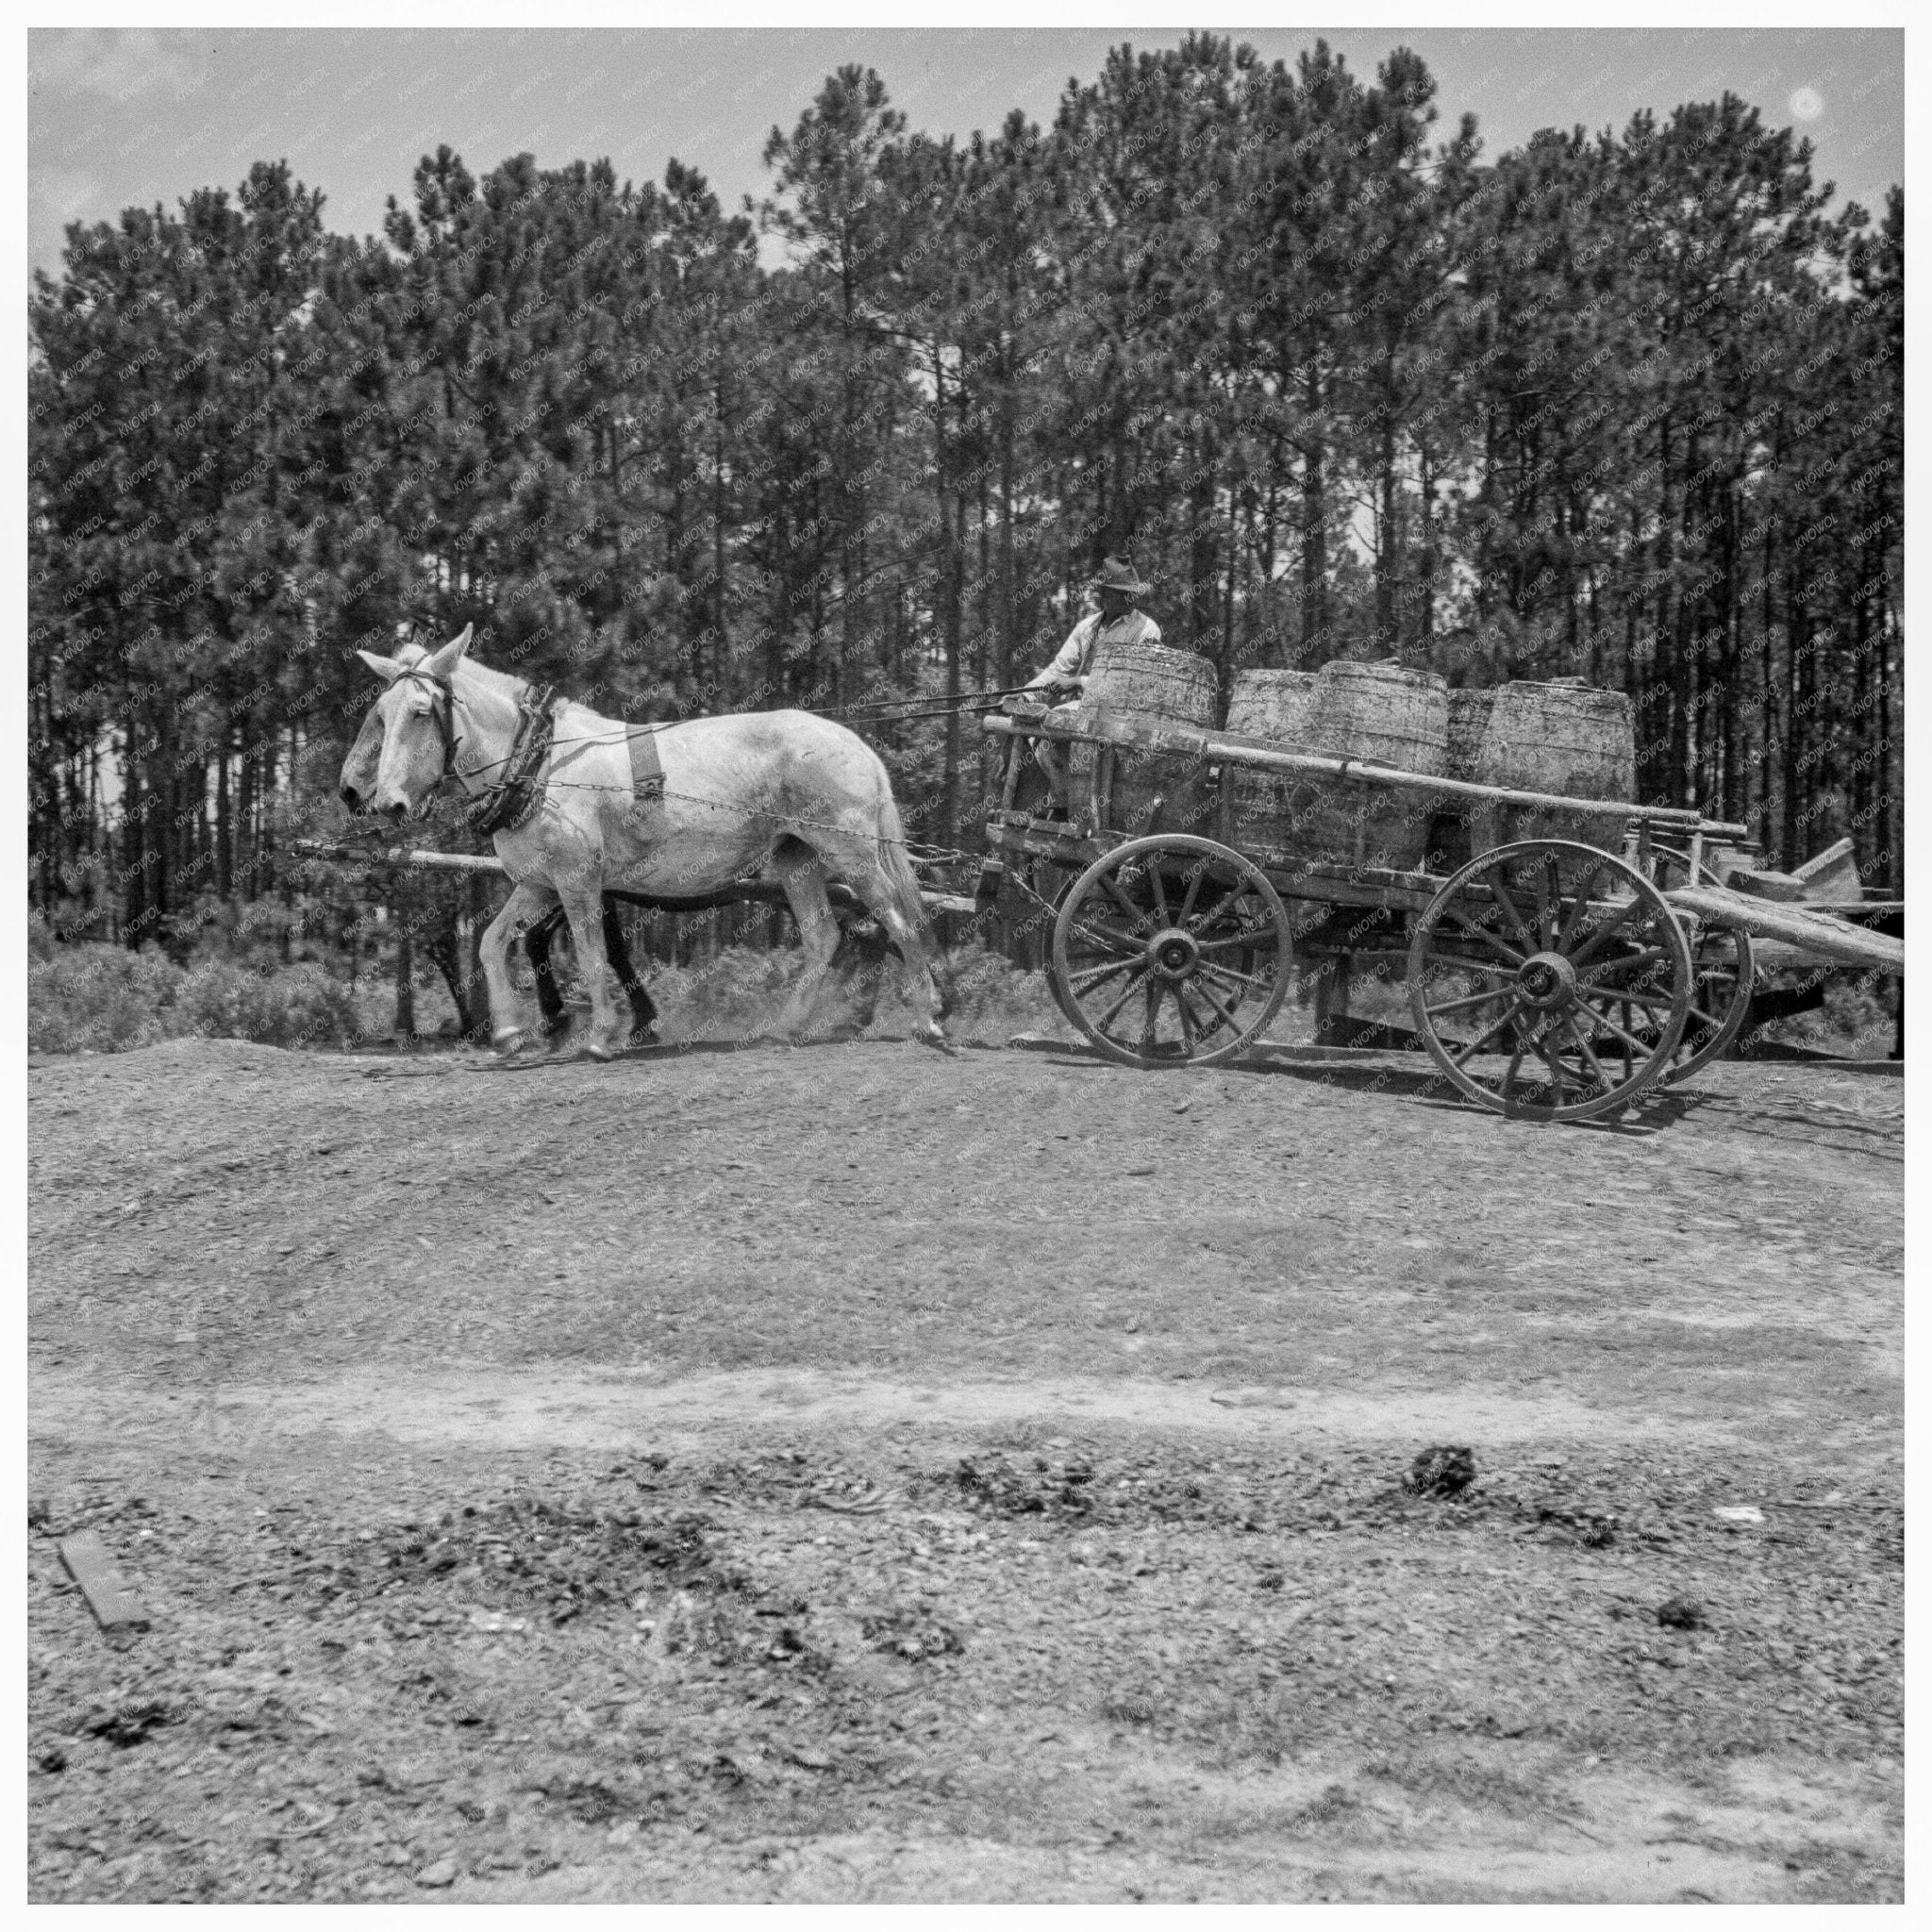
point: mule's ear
(385, 668)
(446, 660)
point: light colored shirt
(1077, 654)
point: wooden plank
(1780, 888)
(1817, 936)
(109, 1595)
(1829, 857)
(1837, 881)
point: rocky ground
(852, 1474)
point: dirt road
(853, 1474)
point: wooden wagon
(1548, 977)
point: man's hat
(1115, 576)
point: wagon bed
(1593, 975)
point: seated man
(1117, 621)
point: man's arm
(1065, 667)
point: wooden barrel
(1390, 715)
(1274, 705)
(1381, 712)
(1152, 682)
(1566, 736)
(1450, 840)
(1137, 688)
(1468, 718)
(1277, 707)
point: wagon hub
(1546, 980)
(1175, 953)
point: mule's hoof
(597, 1050)
(507, 1039)
(935, 1037)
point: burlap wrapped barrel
(1449, 832)
(1381, 712)
(1135, 688)
(1277, 707)
(1468, 718)
(1566, 736)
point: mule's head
(403, 749)
(357, 783)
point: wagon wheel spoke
(1474, 999)
(1151, 1020)
(1630, 1041)
(1180, 1006)
(1212, 915)
(1578, 906)
(1221, 972)
(1482, 932)
(1509, 1072)
(1227, 1018)
(1196, 873)
(1549, 900)
(1086, 982)
(1596, 1066)
(1547, 1053)
(1260, 936)
(1724, 972)
(1138, 915)
(1494, 1026)
(1593, 1009)
(1617, 915)
(1497, 878)
(1107, 939)
(1625, 996)
(1218, 1018)
(1711, 1019)
(1647, 956)
(1107, 1019)
(1204, 925)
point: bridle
(515, 793)
(444, 713)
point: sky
(143, 116)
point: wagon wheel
(1722, 968)
(1171, 950)
(1550, 981)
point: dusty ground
(851, 1473)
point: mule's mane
(501, 681)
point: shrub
(105, 999)
(289, 1006)
(730, 997)
(102, 998)
(990, 998)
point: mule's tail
(898, 866)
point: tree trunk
(1314, 562)
(402, 913)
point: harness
(519, 790)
